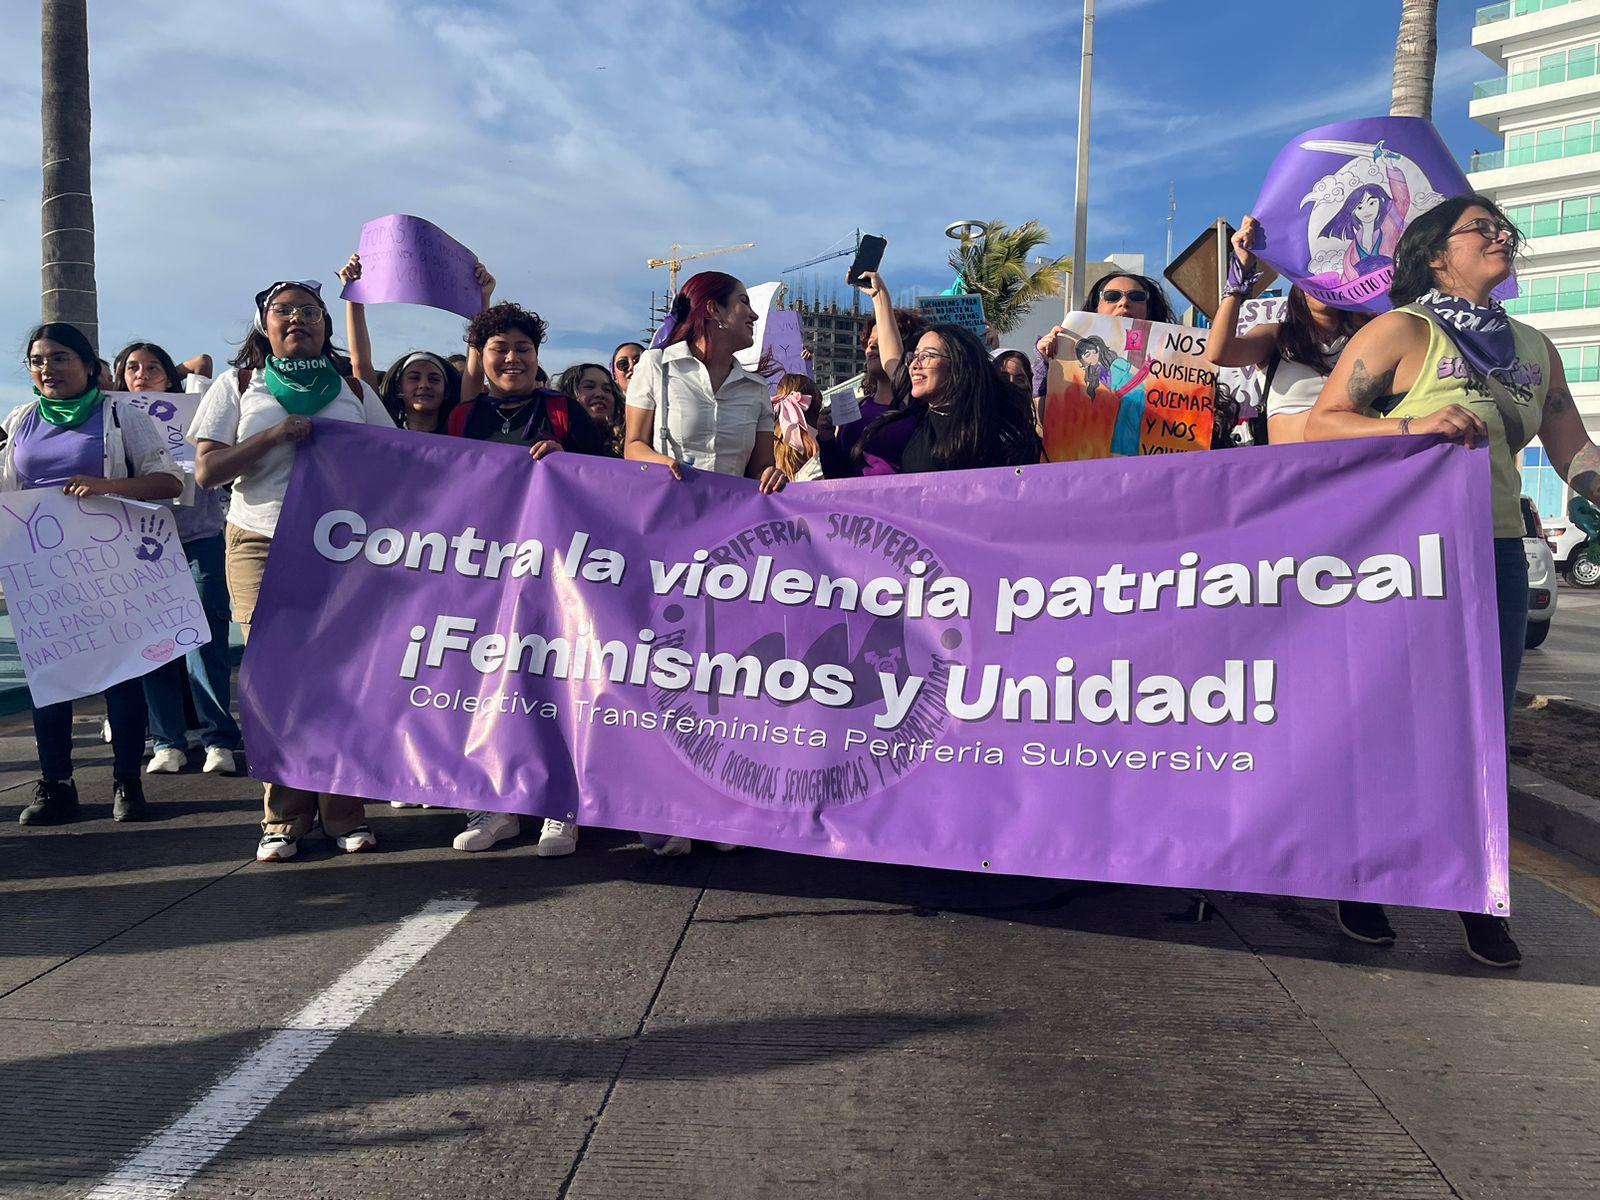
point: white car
(1541, 577)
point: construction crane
(827, 256)
(678, 259)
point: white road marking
(165, 1163)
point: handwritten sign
(406, 260)
(98, 589)
(784, 348)
(174, 413)
(965, 310)
(1120, 387)
(1247, 385)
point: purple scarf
(1481, 332)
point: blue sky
(240, 143)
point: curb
(1555, 814)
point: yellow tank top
(1513, 419)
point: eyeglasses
(38, 362)
(286, 312)
(625, 364)
(1136, 296)
(1488, 229)
(923, 357)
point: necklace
(505, 420)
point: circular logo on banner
(804, 754)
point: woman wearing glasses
(624, 360)
(1132, 297)
(1449, 361)
(71, 437)
(250, 422)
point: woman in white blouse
(691, 404)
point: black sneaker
(127, 800)
(1489, 940)
(53, 804)
(1365, 923)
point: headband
(264, 297)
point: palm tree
(67, 213)
(995, 266)
(1415, 51)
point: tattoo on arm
(1367, 388)
(1558, 399)
(1584, 473)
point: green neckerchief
(69, 414)
(304, 386)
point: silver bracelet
(1405, 426)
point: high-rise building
(834, 336)
(1544, 110)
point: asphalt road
(1568, 664)
(178, 1020)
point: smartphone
(869, 256)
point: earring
(720, 325)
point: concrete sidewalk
(760, 1025)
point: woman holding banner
(624, 360)
(591, 386)
(1296, 355)
(72, 437)
(691, 404)
(146, 367)
(246, 432)
(1448, 361)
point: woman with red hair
(690, 403)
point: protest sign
(1120, 387)
(98, 590)
(1120, 687)
(964, 310)
(1247, 385)
(406, 260)
(173, 412)
(762, 297)
(842, 402)
(1337, 199)
(783, 349)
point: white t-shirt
(1295, 386)
(229, 418)
(709, 432)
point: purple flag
(1292, 687)
(406, 260)
(1337, 199)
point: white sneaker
(557, 839)
(277, 847)
(219, 761)
(105, 730)
(167, 762)
(484, 829)
(358, 839)
(403, 804)
(673, 847)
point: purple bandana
(1481, 332)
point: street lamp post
(1080, 225)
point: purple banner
(1273, 671)
(1337, 199)
(406, 260)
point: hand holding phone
(869, 257)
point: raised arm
(355, 327)
(200, 364)
(472, 374)
(891, 351)
(1225, 346)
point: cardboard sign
(964, 310)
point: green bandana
(69, 414)
(304, 386)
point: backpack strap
(456, 423)
(241, 376)
(555, 407)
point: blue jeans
(1511, 593)
(210, 676)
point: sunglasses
(1136, 296)
(1488, 229)
(625, 364)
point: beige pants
(287, 810)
